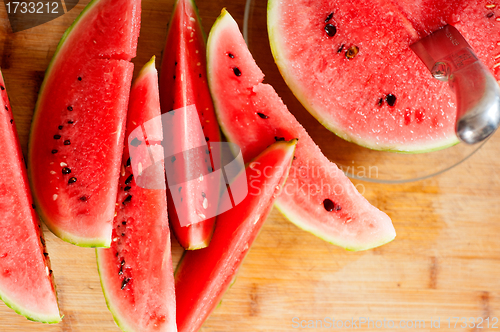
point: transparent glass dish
(356, 161)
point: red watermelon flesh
(317, 197)
(363, 82)
(183, 84)
(136, 271)
(76, 139)
(204, 275)
(26, 283)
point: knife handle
(478, 101)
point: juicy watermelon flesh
(83, 101)
(204, 275)
(25, 277)
(348, 96)
(253, 116)
(136, 271)
(183, 83)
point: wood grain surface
(444, 262)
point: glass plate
(356, 161)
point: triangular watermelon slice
(350, 65)
(204, 275)
(26, 283)
(183, 85)
(76, 139)
(136, 272)
(317, 197)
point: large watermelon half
(317, 197)
(183, 83)
(350, 65)
(136, 272)
(26, 283)
(204, 275)
(76, 139)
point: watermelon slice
(351, 67)
(204, 275)
(136, 272)
(26, 283)
(183, 83)
(76, 139)
(317, 197)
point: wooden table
(444, 262)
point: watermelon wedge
(183, 83)
(351, 67)
(26, 283)
(204, 275)
(317, 197)
(76, 139)
(136, 272)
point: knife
(450, 58)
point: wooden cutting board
(444, 263)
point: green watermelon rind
(32, 316)
(82, 242)
(279, 58)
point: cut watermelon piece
(351, 67)
(204, 275)
(76, 139)
(317, 197)
(183, 84)
(26, 283)
(136, 272)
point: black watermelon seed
(46, 254)
(50, 272)
(2, 87)
(352, 52)
(122, 262)
(127, 200)
(207, 139)
(66, 170)
(79, 78)
(127, 164)
(72, 180)
(11, 121)
(124, 223)
(125, 282)
(71, 122)
(176, 63)
(489, 15)
(294, 157)
(83, 198)
(127, 188)
(278, 139)
(390, 99)
(262, 115)
(57, 136)
(129, 179)
(70, 108)
(42, 241)
(338, 207)
(121, 268)
(60, 127)
(331, 30)
(6, 108)
(180, 188)
(172, 159)
(135, 142)
(340, 48)
(237, 71)
(329, 17)
(231, 55)
(123, 234)
(380, 102)
(329, 205)
(199, 75)
(33, 206)
(67, 142)
(203, 195)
